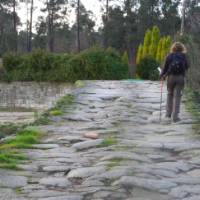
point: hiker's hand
(162, 78)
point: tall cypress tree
(147, 42)
(155, 37)
(139, 54)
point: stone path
(134, 158)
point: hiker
(175, 67)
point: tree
(154, 46)
(15, 25)
(78, 27)
(56, 10)
(183, 17)
(147, 43)
(105, 19)
(40, 38)
(131, 30)
(139, 54)
(155, 37)
(8, 25)
(159, 49)
(148, 15)
(170, 20)
(115, 37)
(83, 29)
(30, 28)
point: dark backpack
(177, 65)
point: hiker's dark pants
(175, 85)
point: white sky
(93, 5)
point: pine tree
(139, 54)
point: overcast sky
(93, 5)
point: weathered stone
(46, 194)
(56, 169)
(194, 197)
(13, 181)
(91, 135)
(45, 146)
(71, 139)
(183, 191)
(87, 144)
(55, 182)
(149, 184)
(67, 197)
(85, 172)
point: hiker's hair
(178, 47)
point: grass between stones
(56, 112)
(108, 142)
(79, 83)
(26, 135)
(114, 163)
(59, 109)
(9, 156)
(193, 106)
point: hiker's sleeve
(166, 67)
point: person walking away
(175, 68)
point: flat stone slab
(155, 185)
(87, 144)
(45, 146)
(85, 172)
(13, 181)
(55, 182)
(67, 197)
(54, 169)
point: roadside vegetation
(25, 136)
(40, 65)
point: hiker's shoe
(168, 116)
(176, 120)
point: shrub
(147, 69)
(40, 65)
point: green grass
(108, 142)
(79, 83)
(64, 102)
(193, 106)
(193, 103)
(27, 136)
(10, 160)
(56, 112)
(9, 129)
(59, 109)
(9, 157)
(114, 163)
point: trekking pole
(161, 95)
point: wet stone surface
(132, 156)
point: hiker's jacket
(165, 71)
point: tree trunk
(50, 27)
(30, 28)
(15, 26)
(183, 18)
(27, 25)
(78, 27)
(106, 25)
